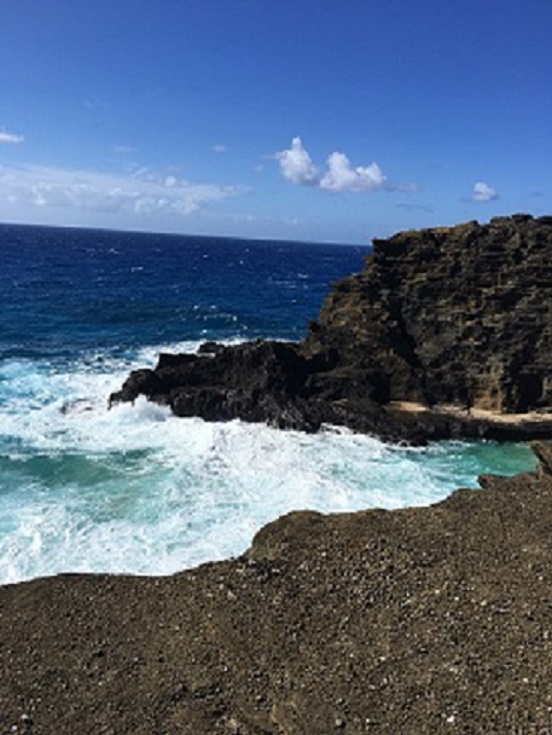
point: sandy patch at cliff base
(474, 413)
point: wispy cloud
(482, 192)
(140, 193)
(297, 166)
(220, 148)
(10, 137)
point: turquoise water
(134, 489)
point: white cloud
(482, 192)
(341, 176)
(10, 137)
(220, 148)
(34, 188)
(296, 164)
(298, 167)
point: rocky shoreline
(418, 621)
(457, 316)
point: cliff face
(459, 315)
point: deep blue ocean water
(135, 489)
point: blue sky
(335, 120)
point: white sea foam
(135, 489)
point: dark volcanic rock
(458, 316)
(423, 621)
(255, 381)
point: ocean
(134, 489)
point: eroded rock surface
(422, 621)
(457, 316)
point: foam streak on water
(135, 489)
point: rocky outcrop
(458, 316)
(255, 381)
(420, 621)
(453, 315)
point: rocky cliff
(455, 315)
(458, 316)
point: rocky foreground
(416, 622)
(449, 317)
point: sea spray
(135, 489)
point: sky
(320, 120)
